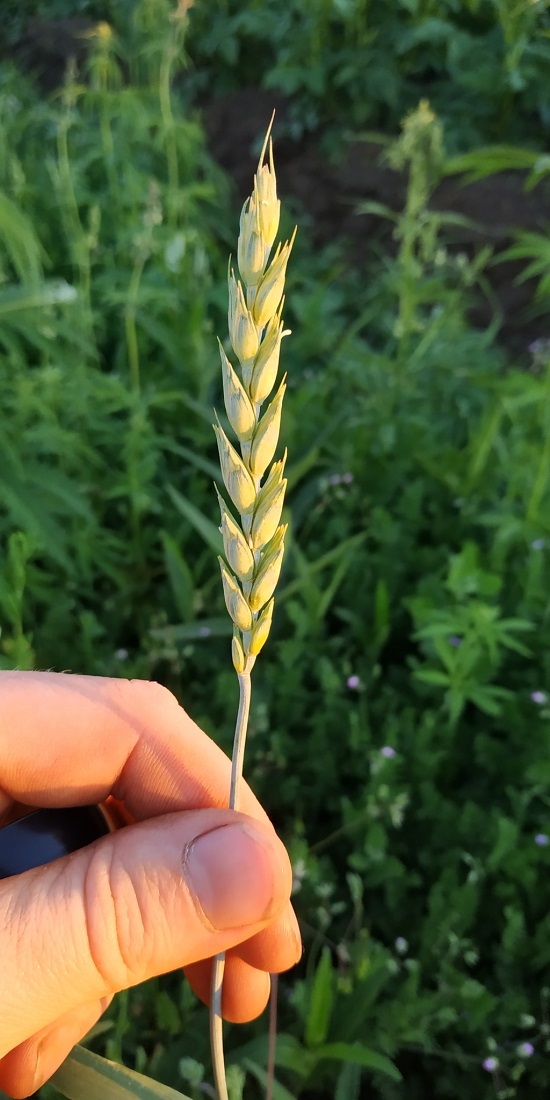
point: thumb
(155, 896)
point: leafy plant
(481, 64)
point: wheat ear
(254, 542)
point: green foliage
(399, 734)
(482, 63)
(124, 233)
(17, 645)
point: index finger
(68, 740)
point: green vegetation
(481, 62)
(400, 732)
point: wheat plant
(253, 539)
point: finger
(29, 1065)
(151, 898)
(245, 990)
(72, 740)
(275, 948)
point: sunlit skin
(75, 932)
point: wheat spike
(256, 329)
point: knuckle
(151, 702)
(115, 922)
(151, 693)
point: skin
(185, 879)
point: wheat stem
(216, 1027)
(216, 1020)
(272, 1036)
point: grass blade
(87, 1076)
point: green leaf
(381, 613)
(296, 471)
(506, 842)
(487, 699)
(348, 1085)
(180, 576)
(313, 567)
(321, 1000)
(28, 510)
(204, 526)
(20, 241)
(289, 1053)
(432, 676)
(87, 1076)
(193, 459)
(166, 399)
(363, 1056)
(377, 208)
(490, 159)
(278, 1091)
(167, 1015)
(329, 593)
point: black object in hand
(45, 835)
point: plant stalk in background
(254, 542)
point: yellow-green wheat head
(254, 545)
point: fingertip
(276, 948)
(238, 874)
(245, 991)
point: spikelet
(238, 406)
(237, 477)
(253, 539)
(270, 290)
(266, 362)
(265, 580)
(261, 628)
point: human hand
(186, 880)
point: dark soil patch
(498, 206)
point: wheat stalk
(254, 543)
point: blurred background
(400, 728)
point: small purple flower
(204, 631)
(540, 346)
(340, 479)
(525, 1050)
(454, 639)
(538, 544)
(388, 752)
(542, 840)
(121, 654)
(539, 697)
(353, 682)
(490, 1064)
